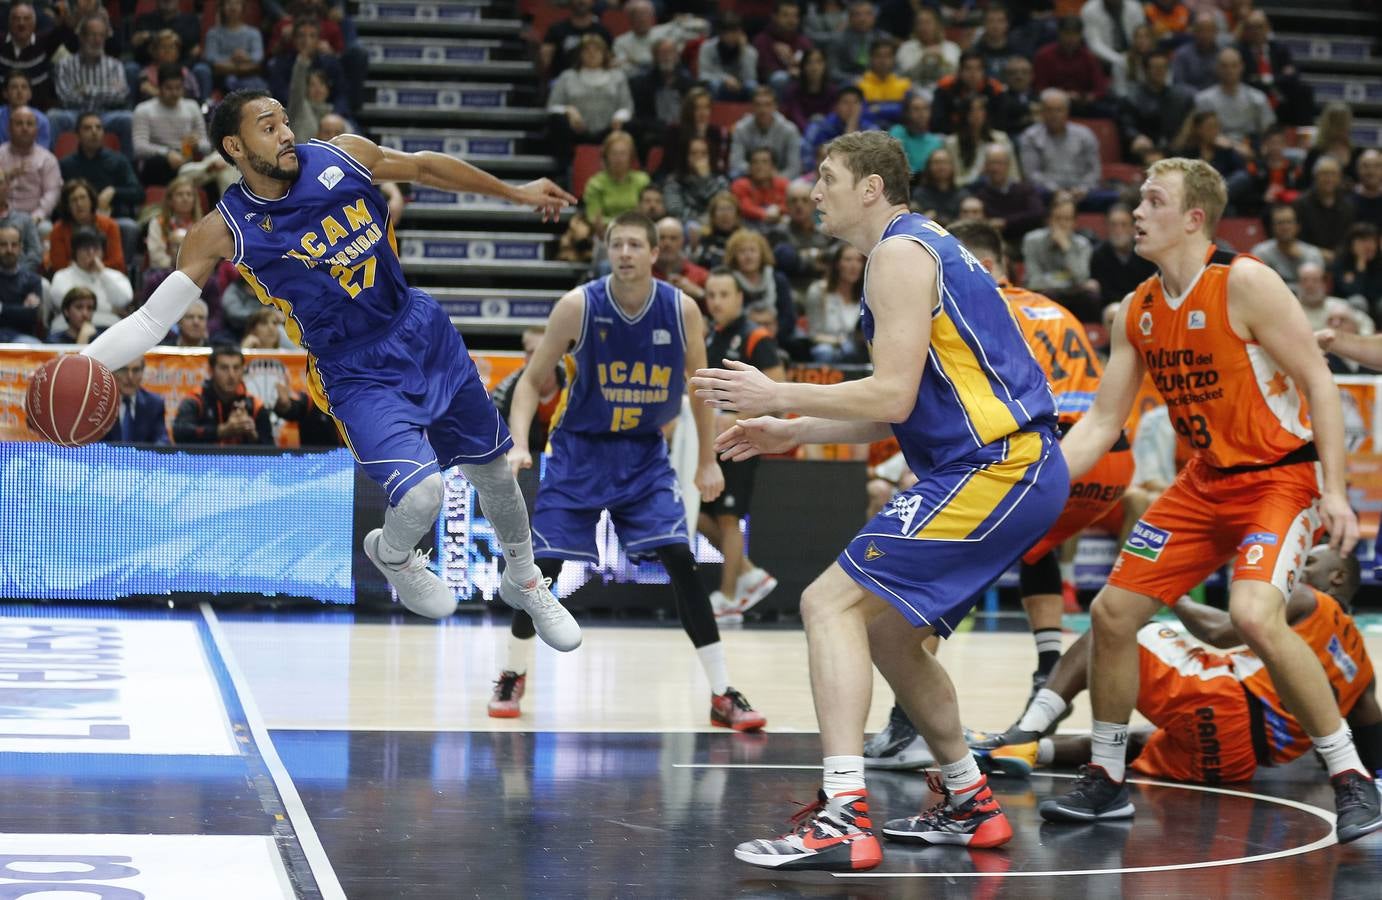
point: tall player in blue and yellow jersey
(955, 382)
(311, 234)
(628, 342)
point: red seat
(1123, 173)
(1243, 233)
(1095, 223)
(655, 157)
(66, 143)
(1110, 148)
(616, 20)
(725, 113)
(585, 164)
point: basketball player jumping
(310, 233)
(1252, 400)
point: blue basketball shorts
(412, 403)
(936, 546)
(629, 476)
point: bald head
(1229, 67)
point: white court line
(1326, 841)
(312, 848)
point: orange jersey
(1230, 403)
(1336, 642)
(1060, 344)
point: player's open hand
(519, 459)
(710, 481)
(1325, 338)
(1340, 521)
(748, 438)
(545, 197)
(738, 386)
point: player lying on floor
(1217, 716)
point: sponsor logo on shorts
(390, 479)
(905, 508)
(1196, 319)
(331, 177)
(1259, 537)
(661, 336)
(1254, 555)
(1146, 541)
(871, 552)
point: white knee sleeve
(413, 516)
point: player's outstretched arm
(207, 243)
(450, 174)
(710, 481)
(1099, 428)
(563, 331)
(1365, 349)
(899, 272)
(1261, 303)
(748, 438)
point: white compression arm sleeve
(132, 337)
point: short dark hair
(650, 186)
(15, 75)
(971, 54)
(634, 219)
(980, 238)
(757, 150)
(78, 293)
(865, 153)
(850, 89)
(86, 236)
(725, 272)
(90, 115)
(224, 350)
(169, 71)
(730, 21)
(1071, 23)
(225, 120)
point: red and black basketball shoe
(833, 834)
(978, 822)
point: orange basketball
(72, 400)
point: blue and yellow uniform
(625, 380)
(383, 358)
(981, 441)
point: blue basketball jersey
(981, 382)
(626, 374)
(324, 253)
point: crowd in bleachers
(104, 156)
(1039, 117)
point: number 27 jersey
(324, 253)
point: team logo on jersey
(871, 552)
(267, 224)
(1144, 324)
(905, 508)
(1196, 319)
(661, 336)
(331, 177)
(1146, 541)
(1254, 555)
(604, 334)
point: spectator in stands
(1195, 63)
(651, 202)
(1113, 264)
(142, 417)
(179, 210)
(577, 243)
(658, 94)
(19, 94)
(21, 291)
(971, 210)
(721, 220)
(167, 17)
(1014, 110)
(849, 50)
(224, 412)
(1272, 70)
(167, 50)
(832, 307)
(1011, 205)
(953, 92)
(694, 122)
(1367, 194)
(331, 24)
(762, 193)
(884, 89)
(683, 27)
(727, 63)
(591, 98)
(90, 81)
(264, 331)
(1170, 19)
(1276, 177)
(1322, 310)
(690, 189)
(1154, 109)
(781, 46)
(927, 57)
(967, 144)
(78, 307)
(1202, 138)
(1358, 266)
(849, 116)
(914, 131)
(1132, 68)
(1060, 155)
(1244, 112)
(168, 130)
(1109, 26)
(800, 247)
(34, 175)
(193, 329)
(1069, 65)
(995, 44)
(1285, 252)
(937, 192)
(768, 297)
(27, 51)
(31, 246)
(77, 209)
(1057, 259)
(291, 73)
(812, 95)
(769, 129)
(110, 286)
(69, 21)
(615, 188)
(563, 38)
(315, 98)
(1334, 138)
(672, 265)
(235, 50)
(825, 21)
(634, 48)
(1326, 211)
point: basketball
(72, 400)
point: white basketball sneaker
(753, 586)
(419, 588)
(554, 624)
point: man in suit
(141, 418)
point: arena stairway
(1337, 44)
(455, 76)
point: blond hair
(866, 153)
(1201, 188)
(742, 238)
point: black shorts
(738, 493)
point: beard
(271, 169)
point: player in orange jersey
(1251, 398)
(1218, 716)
